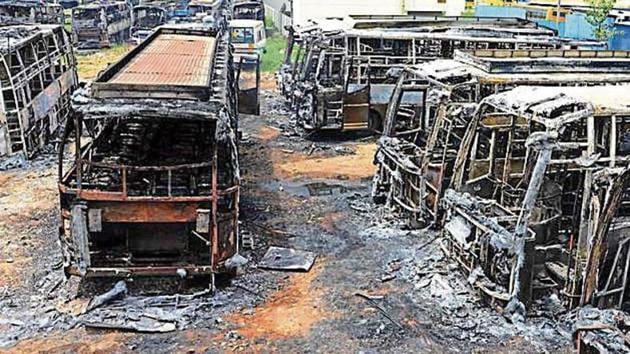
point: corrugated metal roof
(170, 59)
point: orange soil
(266, 133)
(10, 272)
(73, 341)
(22, 195)
(268, 82)
(355, 166)
(329, 221)
(291, 312)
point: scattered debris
(140, 326)
(117, 292)
(371, 300)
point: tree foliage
(597, 15)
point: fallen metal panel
(279, 258)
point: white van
(248, 36)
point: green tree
(596, 16)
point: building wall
(304, 10)
(575, 26)
(619, 4)
(446, 7)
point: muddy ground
(375, 286)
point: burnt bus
(248, 10)
(417, 152)
(155, 190)
(30, 12)
(345, 83)
(96, 25)
(37, 77)
(539, 200)
(146, 19)
(306, 41)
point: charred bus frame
(156, 189)
(37, 77)
(342, 80)
(96, 26)
(417, 152)
(148, 17)
(248, 10)
(538, 200)
(31, 12)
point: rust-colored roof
(170, 59)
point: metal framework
(156, 189)
(37, 76)
(147, 17)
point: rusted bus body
(17, 12)
(37, 77)
(524, 215)
(96, 26)
(345, 84)
(156, 189)
(416, 157)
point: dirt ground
(375, 287)
(91, 63)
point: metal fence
(280, 20)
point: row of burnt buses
(512, 143)
(148, 160)
(102, 24)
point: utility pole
(558, 17)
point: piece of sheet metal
(279, 258)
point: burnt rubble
(602, 331)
